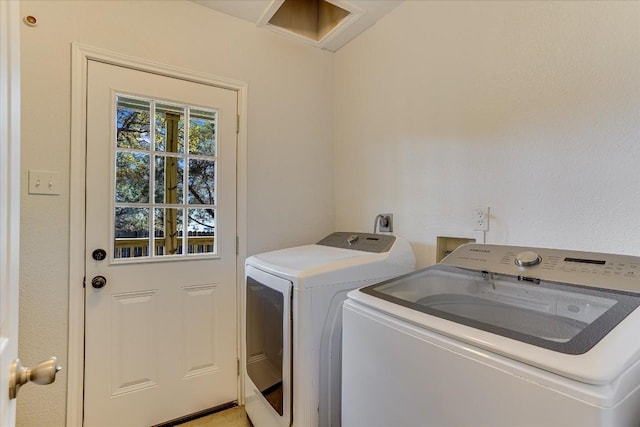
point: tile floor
(233, 417)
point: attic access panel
(313, 21)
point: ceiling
(364, 13)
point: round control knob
(528, 259)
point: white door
(160, 333)
(9, 200)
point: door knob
(98, 282)
(43, 373)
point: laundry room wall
(530, 108)
(290, 158)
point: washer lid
(557, 316)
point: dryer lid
(338, 247)
(305, 258)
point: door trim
(80, 56)
(10, 193)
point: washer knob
(528, 259)
(352, 239)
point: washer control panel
(367, 242)
(621, 272)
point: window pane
(201, 228)
(202, 132)
(202, 180)
(133, 123)
(169, 179)
(132, 177)
(168, 231)
(265, 341)
(159, 131)
(131, 232)
(169, 128)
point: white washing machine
(497, 336)
(293, 318)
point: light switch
(44, 182)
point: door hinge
(237, 123)
(237, 245)
(238, 366)
(84, 282)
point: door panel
(160, 336)
(135, 341)
(200, 325)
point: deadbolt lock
(99, 254)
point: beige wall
(290, 159)
(531, 108)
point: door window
(265, 341)
(165, 179)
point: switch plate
(44, 182)
(481, 218)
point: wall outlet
(385, 223)
(481, 218)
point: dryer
(497, 336)
(293, 323)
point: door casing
(9, 198)
(81, 54)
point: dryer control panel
(367, 242)
(620, 272)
